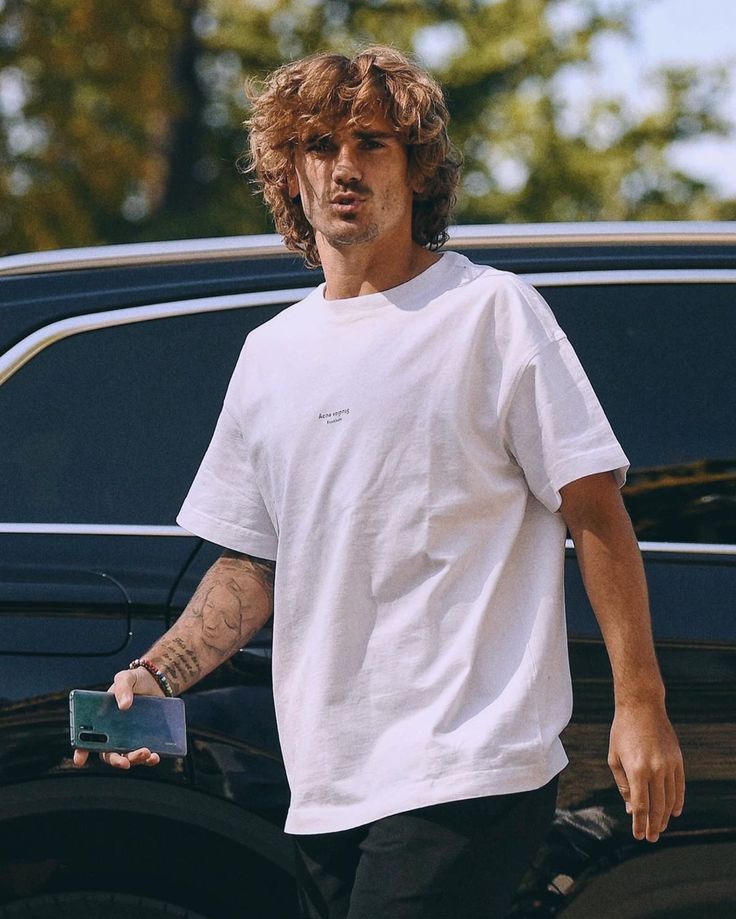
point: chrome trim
(467, 236)
(597, 233)
(121, 529)
(683, 548)
(37, 341)
(634, 276)
(92, 529)
(182, 250)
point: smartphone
(97, 724)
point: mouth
(346, 203)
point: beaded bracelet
(158, 675)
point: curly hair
(318, 92)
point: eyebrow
(374, 135)
(361, 135)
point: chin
(360, 235)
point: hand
(645, 758)
(126, 685)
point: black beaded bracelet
(158, 675)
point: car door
(105, 416)
(657, 346)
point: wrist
(639, 684)
(158, 675)
(638, 698)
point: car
(113, 365)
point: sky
(665, 32)
(699, 32)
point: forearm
(643, 751)
(232, 602)
(613, 574)
(615, 583)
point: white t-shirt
(400, 456)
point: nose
(346, 168)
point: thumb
(123, 686)
(622, 783)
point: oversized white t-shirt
(400, 456)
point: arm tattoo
(262, 568)
(232, 602)
(180, 661)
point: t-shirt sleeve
(224, 504)
(556, 427)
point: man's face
(354, 184)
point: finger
(117, 760)
(639, 808)
(153, 760)
(670, 796)
(140, 757)
(679, 789)
(656, 807)
(622, 783)
(80, 757)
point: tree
(122, 122)
(90, 117)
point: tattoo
(232, 602)
(229, 611)
(263, 569)
(179, 661)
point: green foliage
(122, 121)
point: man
(409, 444)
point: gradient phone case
(97, 724)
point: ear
(292, 184)
(417, 185)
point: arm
(644, 754)
(232, 602)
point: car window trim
(37, 342)
(32, 345)
(158, 530)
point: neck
(356, 270)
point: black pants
(459, 860)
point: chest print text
(332, 417)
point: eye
(319, 145)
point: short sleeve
(224, 504)
(556, 427)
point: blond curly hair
(316, 93)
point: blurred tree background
(122, 122)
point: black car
(113, 365)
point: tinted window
(109, 426)
(660, 358)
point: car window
(660, 359)
(109, 426)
